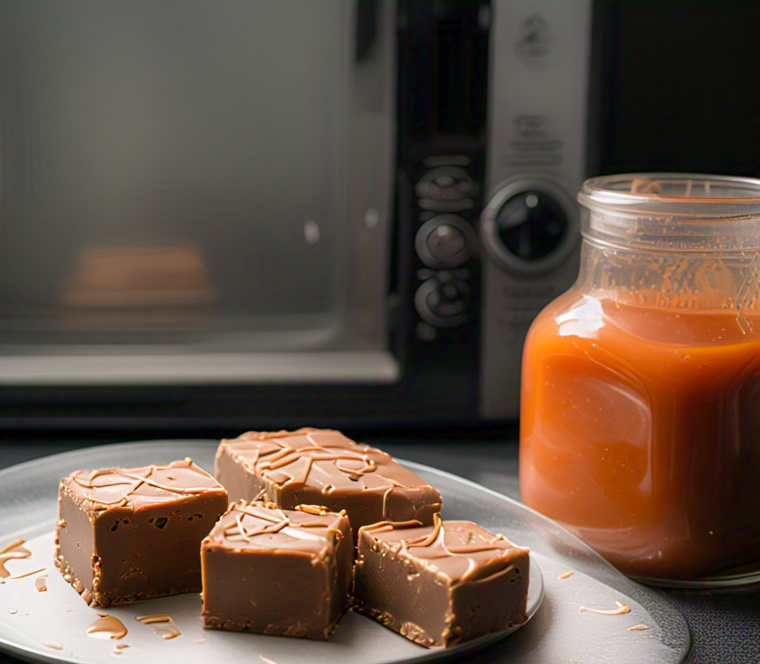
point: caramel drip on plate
(53, 645)
(621, 609)
(23, 576)
(13, 551)
(162, 625)
(106, 627)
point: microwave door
(187, 195)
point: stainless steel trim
(172, 368)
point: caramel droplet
(106, 627)
(621, 609)
(53, 645)
(162, 625)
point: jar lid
(672, 211)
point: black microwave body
(357, 234)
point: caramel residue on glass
(13, 551)
(565, 575)
(162, 625)
(106, 627)
(637, 628)
(621, 609)
(41, 583)
(117, 649)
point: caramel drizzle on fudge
(459, 550)
(320, 445)
(111, 487)
(323, 467)
(252, 520)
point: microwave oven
(276, 213)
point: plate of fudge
(280, 547)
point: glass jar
(640, 410)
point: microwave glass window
(186, 171)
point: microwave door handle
(365, 34)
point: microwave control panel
(444, 244)
(443, 62)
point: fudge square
(440, 585)
(324, 467)
(275, 571)
(126, 534)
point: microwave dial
(443, 300)
(529, 226)
(445, 241)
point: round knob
(445, 183)
(530, 225)
(443, 303)
(444, 241)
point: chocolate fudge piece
(440, 585)
(324, 467)
(275, 571)
(126, 534)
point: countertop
(724, 624)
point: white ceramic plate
(51, 625)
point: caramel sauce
(619, 611)
(53, 645)
(106, 627)
(162, 625)
(639, 433)
(12, 551)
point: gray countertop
(724, 624)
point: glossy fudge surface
(275, 571)
(443, 584)
(126, 534)
(324, 467)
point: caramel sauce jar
(640, 407)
